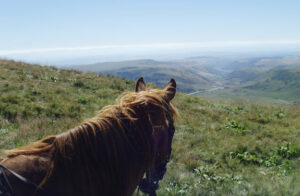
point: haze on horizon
(65, 31)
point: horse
(108, 154)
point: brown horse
(105, 155)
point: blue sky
(69, 25)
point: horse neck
(105, 161)
(32, 167)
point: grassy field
(220, 147)
(283, 97)
(279, 86)
(234, 148)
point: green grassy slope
(242, 76)
(277, 80)
(219, 148)
(234, 148)
(273, 86)
(36, 101)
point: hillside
(242, 76)
(35, 99)
(108, 66)
(188, 81)
(239, 77)
(281, 86)
(219, 148)
(277, 80)
(189, 73)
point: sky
(66, 28)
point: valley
(275, 79)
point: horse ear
(140, 85)
(170, 90)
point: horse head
(161, 119)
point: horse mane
(125, 105)
(107, 134)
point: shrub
(53, 78)
(82, 100)
(10, 98)
(54, 111)
(279, 114)
(117, 85)
(287, 151)
(263, 119)
(9, 112)
(278, 160)
(235, 127)
(74, 111)
(32, 110)
(78, 84)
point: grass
(234, 148)
(283, 97)
(220, 147)
(36, 101)
(275, 86)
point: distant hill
(235, 63)
(272, 86)
(283, 82)
(279, 62)
(108, 66)
(242, 76)
(277, 79)
(188, 81)
(190, 76)
(266, 63)
(203, 73)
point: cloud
(183, 45)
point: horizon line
(154, 45)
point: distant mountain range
(277, 75)
(190, 76)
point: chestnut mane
(115, 141)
